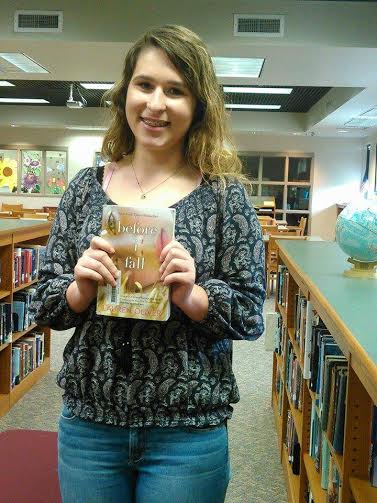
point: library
(81, 133)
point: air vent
(258, 25)
(38, 21)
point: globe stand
(361, 269)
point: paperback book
(138, 236)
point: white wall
(337, 171)
(337, 165)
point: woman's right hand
(93, 267)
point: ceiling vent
(263, 25)
(38, 21)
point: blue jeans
(109, 464)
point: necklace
(145, 192)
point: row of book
(293, 377)
(22, 318)
(6, 324)
(27, 355)
(282, 285)
(15, 317)
(326, 370)
(334, 485)
(293, 445)
(27, 261)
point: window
(286, 177)
(33, 171)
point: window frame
(257, 184)
(44, 149)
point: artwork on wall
(8, 171)
(56, 162)
(98, 161)
(33, 171)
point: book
(138, 236)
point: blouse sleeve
(237, 293)
(49, 306)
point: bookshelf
(13, 233)
(347, 306)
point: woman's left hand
(178, 270)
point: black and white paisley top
(136, 373)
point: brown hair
(208, 146)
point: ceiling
(327, 54)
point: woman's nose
(157, 101)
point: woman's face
(159, 105)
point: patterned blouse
(136, 373)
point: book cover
(138, 236)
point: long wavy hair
(208, 145)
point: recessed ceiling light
(24, 63)
(258, 90)
(98, 85)
(343, 131)
(23, 100)
(5, 83)
(253, 107)
(238, 67)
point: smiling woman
(146, 403)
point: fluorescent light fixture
(5, 83)
(369, 114)
(23, 100)
(258, 90)
(22, 62)
(238, 67)
(98, 85)
(87, 128)
(253, 107)
(343, 131)
(361, 122)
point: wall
(337, 165)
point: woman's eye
(175, 91)
(144, 85)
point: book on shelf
(293, 445)
(338, 429)
(138, 236)
(325, 460)
(373, 448)
(330, 362)
(334, 483)
(27, 260)
(6, 322)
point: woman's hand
(178, 270)
(93, 267)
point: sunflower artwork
(8, 175)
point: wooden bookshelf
(347, 306)
(12, 233)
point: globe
(356, 234)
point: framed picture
(34, 171)
(8, 171)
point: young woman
(146, 403)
